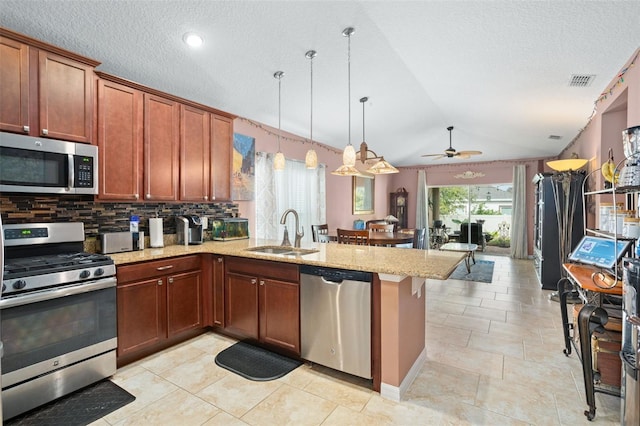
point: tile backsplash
(101, 217)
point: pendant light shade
(381, 167)
(349, 154)
(279, 161)
(311, 159)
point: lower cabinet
(159, 303)
(262, 302)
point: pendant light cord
(349, 85)
(311, 125)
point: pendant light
(311, 159)
(278, 161)
(349, 154)
(381, 167)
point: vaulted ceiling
(498, 71)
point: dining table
(377, 238)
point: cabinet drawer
(263, 268)
(155, 268)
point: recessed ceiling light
(193, 39)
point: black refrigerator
(547, 225)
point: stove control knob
(19, 284)
(98, 272)
(85, 274)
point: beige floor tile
(403, 413)
(346, 394)
(501, 304)
(442, 306)
(519, 401)
(437, 334)
(469, 359)
(437, 382)
(468, 323)
(237, 395)
(169, 358)
(342, 416)
(147, 388)
(196, 374)
(178, 407)
(290, 406)
(224, 419)
(485, 313)
(457, 413)
(490, 343)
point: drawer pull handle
(261, 282)
(25, 129)
(253, 281)
(219, 260)
(164, 268)
(170, 280)
(159, 282)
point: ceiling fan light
(567, 164)
(346, 170)
(349, 156)
(382, 167)
(311, 159)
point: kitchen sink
(284, 250)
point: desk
(470, 249)
(591, 318)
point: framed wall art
(363, 190)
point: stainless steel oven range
(58, 315)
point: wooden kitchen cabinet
(221, 157)
(119, 141)
(159, 304)
(161, 148)
(46, 91)
(195, 142)
(262, 302)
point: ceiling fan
(451, 152)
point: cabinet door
(218, 291)
(65, 98)
(280, 314)
(241, 304)
(141, 315)
(221, 156)
(119, 141)
(14, 80)
(194, 154)
(184, 302)
(161, 140)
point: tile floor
(494, 357)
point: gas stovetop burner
(21, 267)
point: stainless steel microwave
(39, 165)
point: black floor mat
(255, 363)
(78, 408)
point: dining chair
(350, 236)
(381, 227)
(317, 231)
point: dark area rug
(81, 407)
(481, 272)
(254, 363)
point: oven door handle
(55, 293)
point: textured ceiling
(496, 70)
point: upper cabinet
(119, 141)
(46, 91)
(161, 143)
(157, 147)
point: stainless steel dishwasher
(335, 319)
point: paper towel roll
(155, 232)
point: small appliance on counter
(189, 229)
(630, 174)
(229, 228)
(119, 242)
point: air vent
(555, 137)
(581, 80)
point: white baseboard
(396, 393)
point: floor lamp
(567, 190)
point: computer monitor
(598, 251)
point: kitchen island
(399, 310)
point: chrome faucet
(299, 234)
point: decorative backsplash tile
(103, 217)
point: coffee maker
(189, 229)
(630, 174)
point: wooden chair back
(318, 230)
(350, 236)
(381, 227)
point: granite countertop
(385, 260)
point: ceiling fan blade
(463, 156)
(437, 157)
(431, 155)
(469, 153)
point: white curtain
(519, 213)
(422, 205)
(295, 187)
